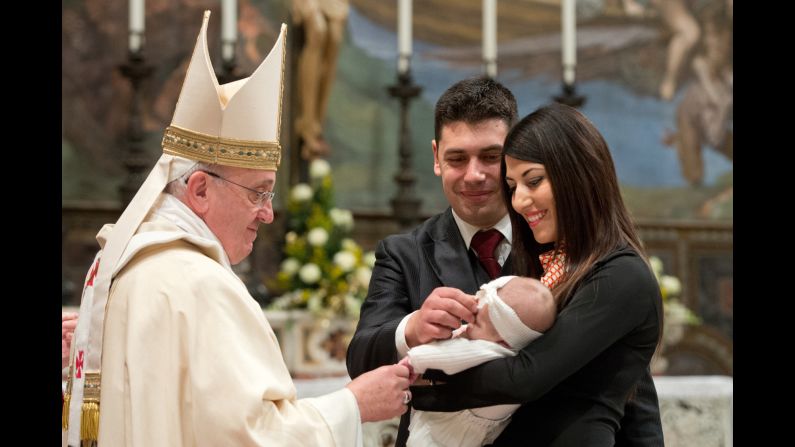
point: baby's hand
(407, 363)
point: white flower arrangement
(369, 259)
(341, 218)
(319, 169)
(317, 237)
(301, 192)
(345, 260)
(310, 273)
(325, 271)
(290, 266)
(676, 315)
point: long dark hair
(591, 217)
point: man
(415, 290)
(418, 290)
(176, 352)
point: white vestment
(189, 359)
(472, 427)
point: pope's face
(233, 215)
(467, 158)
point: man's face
(232, 214)
(467, 158)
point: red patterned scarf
(554, 266)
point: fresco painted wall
(623, 55)
(673, 156)
(96, 97)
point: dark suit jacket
(408, 267)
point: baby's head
(531, 301)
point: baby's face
(482, 328)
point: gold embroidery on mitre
(186, 143)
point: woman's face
(531, 197)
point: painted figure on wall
(679, 17)
(704, 116)
(323, 23)
(685, 33)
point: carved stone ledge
(696, 410)
(312, 347)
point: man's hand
(68, 325)
(440, 314)
(381, 393)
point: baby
(512, 312)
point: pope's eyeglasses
(262, 197)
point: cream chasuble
(189, 358)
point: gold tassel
(89, 420)
(67, 398)
(65, 414)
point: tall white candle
(136, 25)
(490, 37)
(568, 18)
(404, 35)
(228, 29)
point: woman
(572, 230)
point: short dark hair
(474, 100)
(591, 216)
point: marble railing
(696, 411)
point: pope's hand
(382, 393)
(68, 325)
